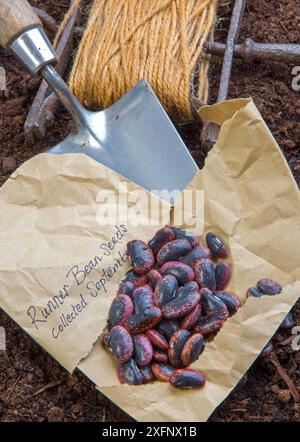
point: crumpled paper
(54, 266)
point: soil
(33, 387)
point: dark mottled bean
(191, 318)
(187, 378)
(168, 327)
(211, 303)
(129, 373)
(161, 238)
(120, 310)
(215, 310)
(139, 323)
(231, 301)
(195, 254)
(142, 349)
(182, 272)
(223, 272)
(189, 236)
(176, 344)
(154, 276)
(141, 256)
(253, 291)
(209, 324)
(186, 300)
(121, 343)
(192, 349)
(142, 299)
(146, 373)
(165, 290)
(136, 280)
(288, 322)
(162, 372)
(216, 246)
(160, 356)
(126, 288)
(205, 274)
(173, 250)
(269, 287)
(157, 339)
(187, 288)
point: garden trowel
(134, 136)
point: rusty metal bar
(249, 50)
(41, 114)
(232, 37)
(211, 130)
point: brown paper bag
(59, 269)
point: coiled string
(157, 40)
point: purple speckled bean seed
(126, 288)
(162, 372)
(182, 272)
(154, 276)
(187, 378)
(253, 292)
(205, 274)
(139, 323)
(196, 254)
(173, 250)
(269, 287)
(146, 373)
(160, 356)
(223, 272)
(157, 339)
(211, 303)
(216, 245)
(142, 299)
(141, 256)
(136, 280)
(161, 238)
(121, 343)
(192, 349)
(231, 301)
(142, 349)
(120, 310)
(176, 344)
(128, 373)
(215, 310)
(190, 237)
(168, 327)
(191, 318)
(186, 300)
(165, 290)
(209, 324)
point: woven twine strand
(158, 40)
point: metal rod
(41, 113)
(237, 14)
(79, 114)
(249, 49)
(211, 130)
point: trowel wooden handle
(16, 16)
